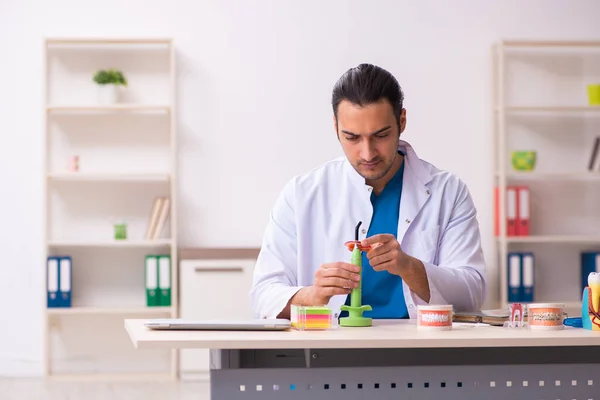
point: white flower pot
(108, 94)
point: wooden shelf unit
(540, 103)
(127, 158)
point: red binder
(511, 204)
(511, 210)
(523, 207)
(496, 211)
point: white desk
(393, 359)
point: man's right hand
(330, 280)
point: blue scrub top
(380, 289)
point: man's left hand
(386, 254)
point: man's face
(369, 137)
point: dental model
(590, 316)
(594, 285)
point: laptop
(178, 324)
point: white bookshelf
(540, 103)
(556, 176)
(127, 158)
(558, 239)
(114, 177)
(550, 109)
(113, 243)
(72, 109)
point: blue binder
(590, 262)
(528, 274)
(515, 278)
(52, 281)
(521, 277)
(65, 279)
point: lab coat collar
(415, 190)
(412, 163)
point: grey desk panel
(331, 358)
(448, 373)
(495, 382)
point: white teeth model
(594, 284)
(593, 278)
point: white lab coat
(317, 212)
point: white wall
(254, 91)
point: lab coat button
(364, 231)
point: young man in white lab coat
(423, 219)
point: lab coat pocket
(428, 240)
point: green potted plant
(109, 81)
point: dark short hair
(366, 84)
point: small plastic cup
(120, 231)
(594, 94)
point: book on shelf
(158, 217)
(517, 214)
(594, 163)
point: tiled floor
(38, 389)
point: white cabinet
(212, 289)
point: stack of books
(594, 163)
(158, 217)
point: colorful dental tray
(311, 317)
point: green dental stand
(355, 310)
